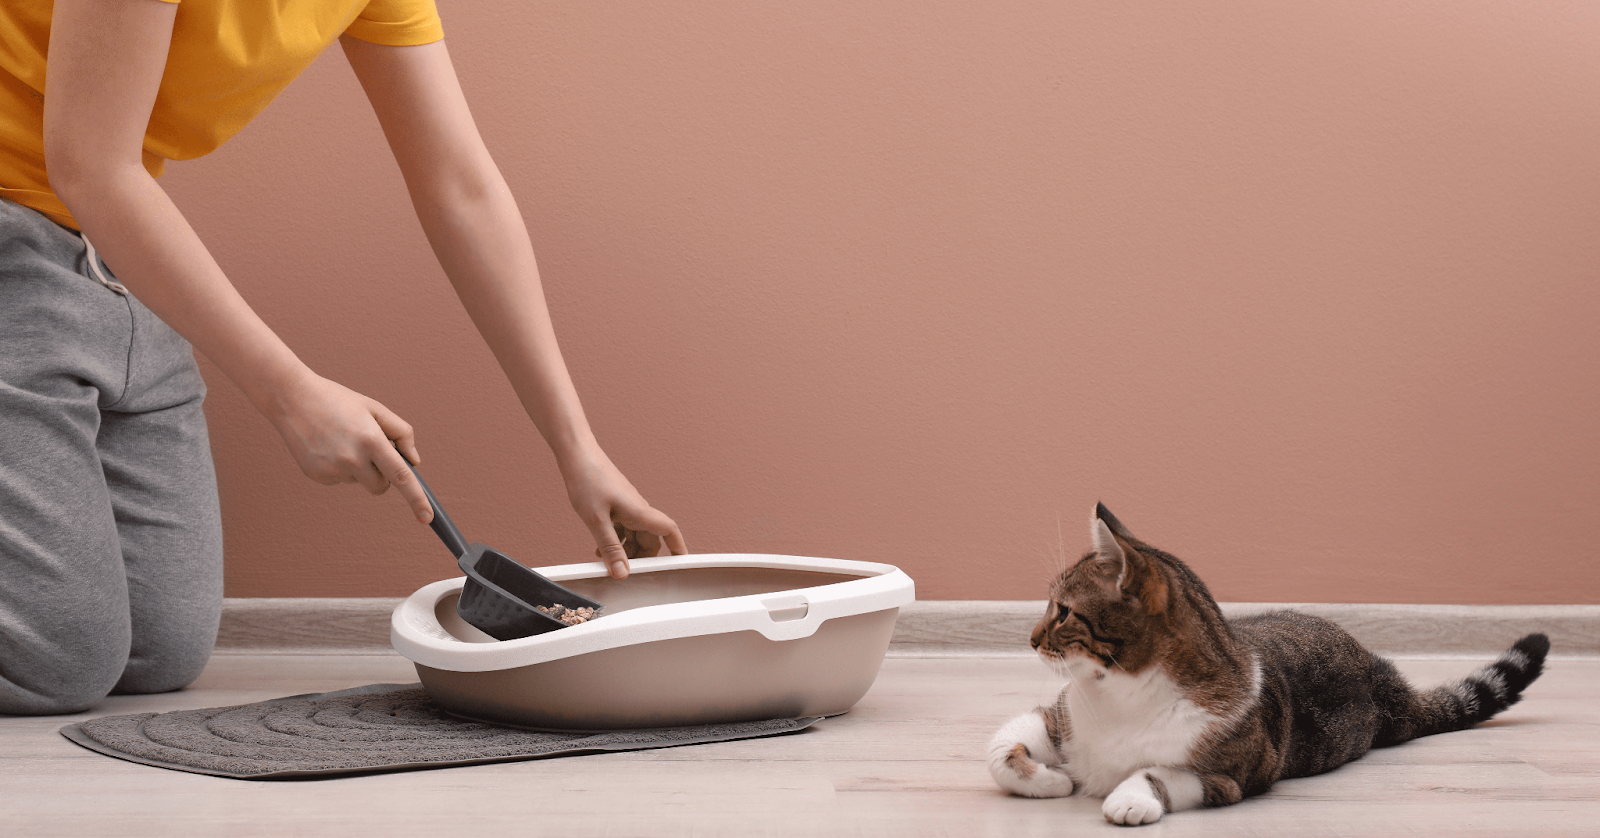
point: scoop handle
(441, 523)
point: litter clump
(570, 616)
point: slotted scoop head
(500, 593)
(499, 596)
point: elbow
(67, 159)
(455, 184)
(459, 195)
(66, 171)
(75, 178)
(86, 154)
(77, 175)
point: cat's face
(1104, 612)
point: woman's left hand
(624, 526)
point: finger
(642, 543)
(609, 549)
(656, 522)
(397, 430)
(629, 539)
(399, 475)
(371, 478)
(401, 436)
(674, 540)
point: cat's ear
(1121, 564)
(1101, 513)
(1109, 554)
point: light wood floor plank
(905, 762)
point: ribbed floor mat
(383, 727)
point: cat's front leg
(1024, 758)
(1150, 793)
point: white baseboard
(942, 628)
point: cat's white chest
(1122, 723)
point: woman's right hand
(340, 436)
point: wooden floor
(906, 762)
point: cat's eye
(1063, 613)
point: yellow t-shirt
(228, 59)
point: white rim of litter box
(415, 632)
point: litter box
(684, 640)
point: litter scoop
(500, 593)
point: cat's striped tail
(1473, 699)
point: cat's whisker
(1072, 683)
(1051, 561)
(1061, 547)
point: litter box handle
(441, 523)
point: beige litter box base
(767, 638)
(737, 677)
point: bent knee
(172, 641)
(172, 669)
(57, 684)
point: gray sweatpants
(110, 535)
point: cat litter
(570, 616)
(684, 640)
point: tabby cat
(1170, 706)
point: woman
(109, 531)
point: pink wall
(1306, 292)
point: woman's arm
(105, 64)
(473, 223)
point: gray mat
(383, 727)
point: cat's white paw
(1020, 774)
(1023, 761)
(1132, 803)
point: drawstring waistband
(94, 268)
